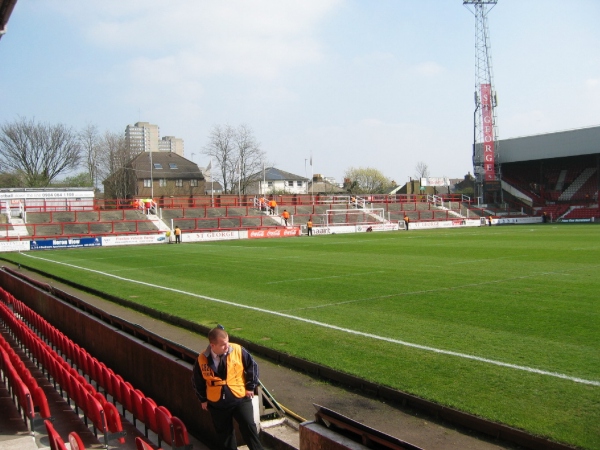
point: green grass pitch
(506, 320)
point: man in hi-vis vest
(224, 377)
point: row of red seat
(102, 414)
(167, 427)
(582, 213)
(18, 387)
(29, 395)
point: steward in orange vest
(224, 378)
(286, 216)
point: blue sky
(356, 83)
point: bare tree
(40, 152)
(421, 170)
(89, 140)
(250, 156)
(114, 155)
(366, 181)
(236, 155)
(221, 148)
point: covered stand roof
(6, 7)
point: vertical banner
(488, 132)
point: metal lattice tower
(486, 166)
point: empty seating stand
(68, 364)
(30, 398)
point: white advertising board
(14, 246)
(516, 220)
(133, 239)
(213, 236)
(444, 224)
(46, 194)
(378, 227)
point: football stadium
(431, 315)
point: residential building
(271, 180)
(145, 137)
(171, 144)
(142, 137)
(156, 174)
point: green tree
(40, 152)
(366, 181)
(82, 179)
(10, 180)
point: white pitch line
(334, 327)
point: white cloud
(260, 38)
(428, 69)
(593, 83)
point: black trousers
(244, 416)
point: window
(179, 183)
(299, 183)
(290, 183)
(269, 184)
(194, 183)
(172, 166)
(157, 165)
(147, 183)
(162, 182)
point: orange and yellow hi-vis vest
(235, 375)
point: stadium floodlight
(486, 166)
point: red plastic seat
(180, 434)
(165, 426)
(118, 383)
(56, 442)
(75, 441)
(113, 420)
(40, 400)
(140, 444)
(149, 406)
(126, 389)
(137, 409)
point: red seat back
(165, 427)
(56, 442)
(113, 420)
(180, 433)
(136, 405)
(149, 406)
(75, 441)
(140, 444)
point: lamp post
(151, 178)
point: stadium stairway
(158, 223)
(19, 229)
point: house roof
(166, 165)
(273, 174)
(324, 187)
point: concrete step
(19, 443)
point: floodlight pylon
(486, 163)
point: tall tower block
(486, 166)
